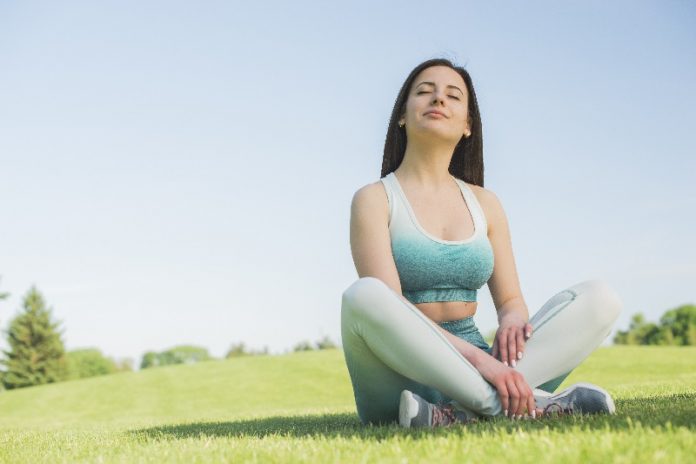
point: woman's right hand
(515, 394)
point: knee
(362, 294)
(604, 303)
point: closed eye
(451, 96)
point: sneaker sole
(408, 408)
(607, 397)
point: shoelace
(558, 409)
(445, 415)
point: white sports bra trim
(472, 204)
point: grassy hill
(299, 408)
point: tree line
(37, 353)
(676, 327)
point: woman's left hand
(510, 338)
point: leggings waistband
(459, 324)
(466, 329)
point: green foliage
(181, 354)
(149, 360)
(304, 345)
(89, 362)
(682, 323)
(324, 343)
(238, 350)
(676, 327)
(37, 353)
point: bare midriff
(442, 311)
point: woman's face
(441, 89)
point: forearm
(515, 306)
(473, 354)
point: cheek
(411, 106)
(462, 118)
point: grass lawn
(299, 408)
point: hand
(515, 394)
(510, 337)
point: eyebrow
(433, 84)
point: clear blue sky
(181, 172)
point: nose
(438, 97)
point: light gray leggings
(390, 345)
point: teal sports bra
(432, 269)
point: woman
(424, 238)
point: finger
(528, 329)
(502, 346)
(526, 395)
(494, 351)
(504, 400)
(525, 392)
(514, 398)
(520, 343)
(531, 404)
(512, 347)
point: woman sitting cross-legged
(424, 238)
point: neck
(427, 164)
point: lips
(435, 112)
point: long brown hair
(467, 159)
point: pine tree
(37, 353)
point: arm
(513, 315)
(370, 243)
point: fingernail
(534, 413)
(529, 334)
(514, 363)
(505, 362)
(519, 355)
(505, 412)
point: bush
(182, 354)
(238, 350)
(324, 343)
(676, 327)
(304, 345)
(88, 362)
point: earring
(401, 124)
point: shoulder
(490, 203)
(371, 198)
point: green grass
(299, 408)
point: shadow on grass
(657, 412)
